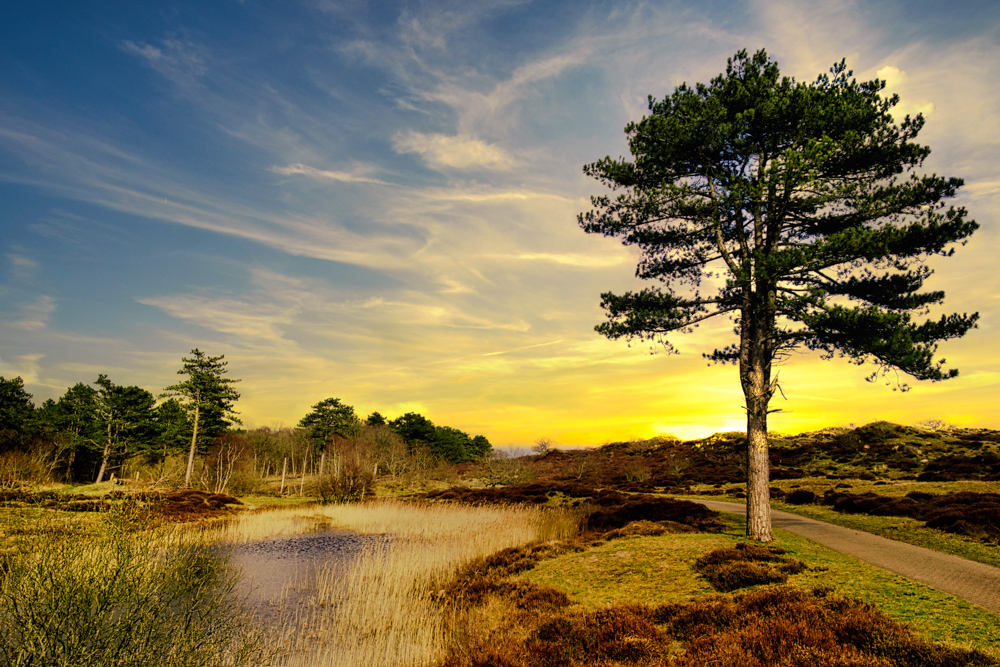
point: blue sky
(377, 201)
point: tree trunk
(758, 474)
(194, 446)
(755, 376)
(104, 463)
(104, 457)
(284, 469)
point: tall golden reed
(380, 609)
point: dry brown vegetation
(744, 565)
(178, 505)
(976, 515)
(783, 627)
(875, 451)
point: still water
(283, 570)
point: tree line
(191, 435)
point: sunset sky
(377, 201)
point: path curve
(976, 582)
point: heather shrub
(801, 497)
(731, 568)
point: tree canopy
(208, 396)
(798, 210)
(16, 411)
(327, 418)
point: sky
(377, 201)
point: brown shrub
(793, 628)
(731, 568)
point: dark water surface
(288, 565)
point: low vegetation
(521, 615)
(743, 565)
(119, 595)
(525, 561)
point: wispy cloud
(449, 153)
(181, 61)
(359, 176)
(570, 259)
(22, 267)
(35, 316)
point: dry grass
(382, 608)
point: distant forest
(101, 431)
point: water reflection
(282, 571)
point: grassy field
(657, 570)
(389, 607)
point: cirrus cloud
(440, 151)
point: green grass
(654, 570)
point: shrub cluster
(182, 505)
(731, 568)
(976, 515)
(766, 628)
(121, 598)
(952, 467)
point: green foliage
(121, 598)
(16, 410)
(174, 428)
(72, 423)
(126, 419)
(413, 428)
(805, 199)
(208, 397)
(206, 394)
(444, 442)
(329, 417)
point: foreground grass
(658, 570)
(383, 608)
(117, 595)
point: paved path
(972, 581)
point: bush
(502, 469)
(350, 480)
(731, 568)
(121, 598)
(800, 497)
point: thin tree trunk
(104, 463)
(322, 461)
(194, 446)
(104, 456)
(284, 469)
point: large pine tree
(808, 202)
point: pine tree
(208, 398)
(805, 199)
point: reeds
(383, 608)
(119, 597)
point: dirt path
(969, 580)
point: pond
(282, 571)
